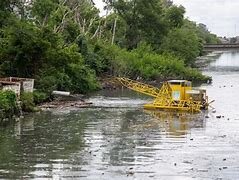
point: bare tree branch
(62, 22)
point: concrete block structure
(17, 84)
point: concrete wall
(13, 87)
(28, 86)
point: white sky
(220, 16)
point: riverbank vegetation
(66, 45)
(8, 105)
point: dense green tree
(144, 62)
(9, 8)
(202, 32)
(144, 21)
(174, 16)
(183, 43)
(22, 50)
(108, 29)
(29, 51)
(5, 11)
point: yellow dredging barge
(173, 95)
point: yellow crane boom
(139, 87)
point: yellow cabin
(179, 89)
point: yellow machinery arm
(163, 96)
(139, 87)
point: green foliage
(202, 32)
(75, 78)
(6, 9)
(91, 59)
(7, 100)
(82, 79)
(30, 52)
(144, 21)
(174, 16)
(121, 28)
(39, 97)
(68, 73)
(183, 43)
(23, 50)
(43, 9)
(27, 102)
(8, 106)
(145, 63)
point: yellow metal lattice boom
(139, 87)
(164, 96)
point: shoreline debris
(65, 104)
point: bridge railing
(207, 46)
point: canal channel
(120, 140)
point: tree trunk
(114, 29)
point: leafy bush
(183, 43)
(27, 102)
(82, 79)
(75, 78)
(8, 105)
(144, 62)
(39, 97)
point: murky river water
(122, 141)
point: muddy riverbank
(62, 104)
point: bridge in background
(213, 47)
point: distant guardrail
(221, 46)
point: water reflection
(39, 144)
(22, 126)
(176, 124)
(227, 62)
(86, 143)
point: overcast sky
(221, 16)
